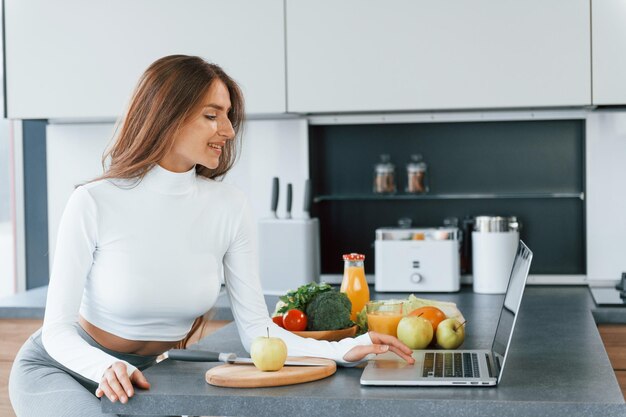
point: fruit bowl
(329, 335)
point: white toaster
(417, 260)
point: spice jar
(416, 175)
(384, 176)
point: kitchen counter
(557, 366)
(25, 305)
(31, 304)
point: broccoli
(329, 311)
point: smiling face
(204, 135)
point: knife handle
(275, 196)
(193, 355)
(289, 200)
(308, 198)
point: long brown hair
(169, 92)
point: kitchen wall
(270, 148)
(498, 57)
(280, 148)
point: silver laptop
(459, 367)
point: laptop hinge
(491, 364)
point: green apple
(268, 353)
(450, 334)
(415, 332)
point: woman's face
(202, 138)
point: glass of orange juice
(384, 316)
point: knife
(206, 356)
(289, 195)
(275, 188)
(307, 199)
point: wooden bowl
(330, 335)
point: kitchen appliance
(494, 243)
(460, 367)
(289, 248)
(417, 259)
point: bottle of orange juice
(354, 284)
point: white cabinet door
(609, 51)
(605, 195)
(355, 55)
(82, 59)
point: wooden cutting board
(248, 376)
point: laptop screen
(510, 307)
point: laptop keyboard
(451, 365)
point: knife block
(289, 254)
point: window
(7, 240)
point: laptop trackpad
(392, 367)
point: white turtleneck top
(143, 260)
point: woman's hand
(116, 384)
(381, 343)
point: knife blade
(207, 356)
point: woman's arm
(250, 311)
(76, 244)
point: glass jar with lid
(416, 175)
(384, 176)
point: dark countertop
(31, 304)
(26, 305)
(557, 366)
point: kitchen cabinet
(533, 169)
(609, 51)
(355, 56)
(84, 58)
(605, 197)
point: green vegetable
(361, 321)
(329, 310)
(301, 297)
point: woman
(140, 251)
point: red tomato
(294, 320)
(278, 320)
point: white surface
(74, 154)
(423, 54)
(437, 270)
(269, 148)
(20, 228)
(447, 116)
(606, 195)
(493, 254)
(273, 148)
(289, 254)
(7, 259)
(609, 51)
(73, 59)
